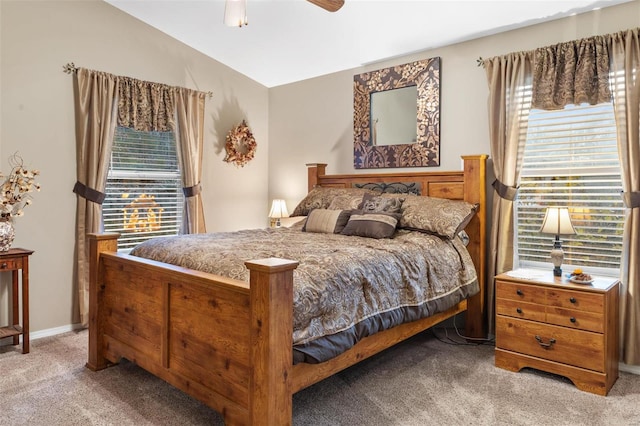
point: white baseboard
(45, 333)
(634, 369)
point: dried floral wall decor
(240, 146)
(425, 151)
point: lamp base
(275, 223)
(557, 256)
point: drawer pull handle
(518, 310)
(572, 319)
(572, 300)
(545, 345)
(519, 292)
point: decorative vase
(7, 234)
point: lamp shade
(235, 13)
(557, 222)
(278, 209)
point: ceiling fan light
(235, 13)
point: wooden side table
(16, 260)
(551, 324)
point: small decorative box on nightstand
(551, 324)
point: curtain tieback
(504, 191)
(89, 193)
(631, 199)
(192, 191)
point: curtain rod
(71, 68)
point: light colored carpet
(420, 382)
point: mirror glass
(396, 116)
(393, 116)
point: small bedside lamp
(557, 222)
(278, 210)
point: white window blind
(571, 160)
(144, 196)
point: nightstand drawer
(590, 321)
(518, 309)
(568, 346)
(580, 300)
(10, 265)
(521, 292)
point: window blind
(571, 160)
(144, 192)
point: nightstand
(16, 260)
(550, 324)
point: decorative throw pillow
(372, 225)
(381, 203)
(345, 202)
(436, 215)
(320, 198)
(326, 221)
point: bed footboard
(220, 340)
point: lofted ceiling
(292, 40)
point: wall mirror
(396, 120)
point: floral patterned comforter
(346, 287)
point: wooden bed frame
(229, 343)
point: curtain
(102, 100)
(574, 72)
(625, 60)
(95, 114)
(508, 108)
(145, 106)
(190, 135)
(580, 71)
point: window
(571, 160)
(144, 191)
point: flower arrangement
(14, 192)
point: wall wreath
(241, 145)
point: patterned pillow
(380, 203)
(326, 221)
(345, 202)
(436, 215)
(320, 198)
(372, 225)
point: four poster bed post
(229, 343)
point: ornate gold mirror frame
(425, 151)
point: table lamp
(557, 222)
(278, 210)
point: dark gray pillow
(372, 225)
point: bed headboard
(468, 184)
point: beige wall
(312, 120)
(37, 120)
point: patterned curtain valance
(145, 106)
(142, 105)
(574, 72)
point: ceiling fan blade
(330, 5)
